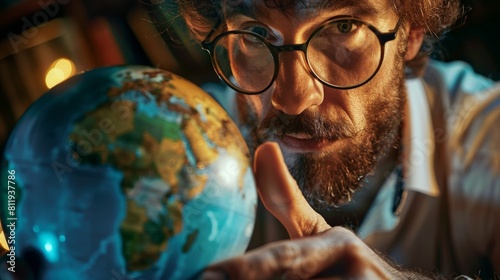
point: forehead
(303, 8)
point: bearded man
(341, 105)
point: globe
(125, 172)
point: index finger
(281, 195)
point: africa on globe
(128, 172)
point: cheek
(359, 104)
(349, 106)
(359, 109)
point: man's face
(331, 138)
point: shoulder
(472, 114)
(475, 134)
(471, 106)
(455, 79)
(474, 123)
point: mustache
(309, 123)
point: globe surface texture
(127, 172)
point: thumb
(281, 195)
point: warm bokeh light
(59, 71)
(53, 77)
(66, 66)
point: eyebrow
(362, 7)
(241, 8)
(250, 9)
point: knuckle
(285, 253)
(315, 254)
(296, 260)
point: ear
(415, 39)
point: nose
(295, 88)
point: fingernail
(213, 275)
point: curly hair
(436, 16)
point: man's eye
(259, 30)
(345, 27)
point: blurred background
(43, 42)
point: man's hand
(281, 195)
(316, 249)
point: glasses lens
(344, 53)
(244, 61)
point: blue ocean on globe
(126, 172)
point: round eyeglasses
(342, 53)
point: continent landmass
(141, 146)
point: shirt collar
(418, 142)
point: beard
(328, 179)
